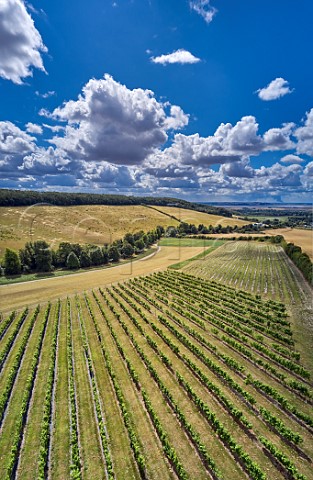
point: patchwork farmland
(164, 376)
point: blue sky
(198, 99)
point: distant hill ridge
(23, 198)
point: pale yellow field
(303, 238)
(95, 224)
(191, 216)
(40, 291)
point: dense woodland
(20, 198)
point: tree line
(39, 257)
(15, 198)
(190, 229)
(300, 259)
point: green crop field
(188, 242)
(166, 376)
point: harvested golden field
(95, 224)
(191, 216)
(20, 294)
(303, 238)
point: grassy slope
(96, 224)
(192, 216)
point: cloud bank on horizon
(116, 138)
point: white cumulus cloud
(279, 138)
(21, 44)
(292, 159)
(309, 169)
(275, 89)
(304, 135)
(112, 123)
(228, 144)
(33, 128)
(203, 8)
(14, 141)
(179, 56)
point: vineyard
(166, 376)
(261, 268)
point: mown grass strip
(200, 256)
(293, 472)
(251, 467)
(60, 450)
(213, 388)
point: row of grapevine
(194, 436)
(4, 325)
(6, 349)
(74, 434)
(22, 418)
(266, 352)
(5, 394)
(45, 434)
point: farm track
(158, 377)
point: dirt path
(39, 291)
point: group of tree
(39, 257)
(189, 229)
(300, 259)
